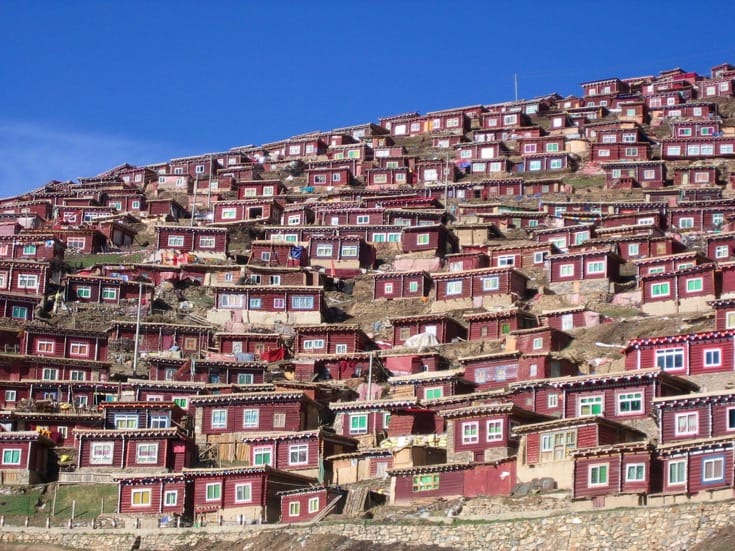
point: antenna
(515, 84)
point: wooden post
(73, 509)
(53, 504)
(102, 506)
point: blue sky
(87, 85)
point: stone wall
(676, 527)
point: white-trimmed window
(686, 222)
(255, 303)
(175, 241)
(677, 472)
(84, 292)
(596, 267)
(413, 286)
(77, 375)
(324, 250)
(50, 374)
(566, 270)
(590, 405)
(314, 344)
(491, 283)
(454, 287)
(11, 456)
(11, 395)
(302, 303)
(538, 343)
(243, 492)
(722, 251)
(694, 285)
(313, 504)
(362, 219)
(556, 164)
(263, 455)
(432, 393)
(170, 498)
(141, 497)
(29, 250)
(230, 213)
(250, 418)
(712, 357)
(45, 347)
(219, 418)
(206, 242)
(340, 349)
(470, 432)
(713, 469)
(425, 482)
(294, 508)
(126, 421)
(19, 312)
(494, 430)
(686, 423)
(109, 293)
(670, 358)
(598, 475)
(146, 453)
(507, 260)
(349, 251)
(422, 239)
(101, 453)
(630, 403)
(27, 281)
(662, 289)
(213, 491)
(358, 423)
(298, 454)
(388, 288)
(635, 472)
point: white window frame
(250, 418)
(676, 472)
(356, 423)
(594, 473)
(101, 453)
(213, 491)
(632, 471)
(175, 241)
(298, 454)
(686, 423)
(712, 357)
(494, 430)
(629, 398)
(717, 463)
(587, 404)
(244, 492)
(218, 418)
(454, 287)
(470, 432)
(146, 453)
(141, 497)
(11, 452)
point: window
(712, 358)
(50, 374)
(170, 498)
(298, 454)
(10, 395)
(422, 239)
(556, 164)
(413, 287)
(677, 473)
(219, 418)
(313, 344)
(84, 292)
(77, 375)
(687, 423)
(631, 402)
(555, 446)
(294, 508)
(363, 219)
(494, 430)
(302, 303)
(507, 260)
(11, 456)
(538, 343)
(433, 393)
(454, 287)
(660, 289)
(713, 470)
(388, 288)
(670, 358)
(349, 251)
(340, 349)
(324, 250)
(109, 293)
(425, 482)
(490, 283)
(255, 303)
(45, 347)
(27, 281)
(566, 270)
(552, 148)
(590, 405)
(596, 267)
(694, 285)
(206, 242)
(263, 456)
(140, 498)
(19, 312)
(726, 148)
(470, 432)
(721, 251)
(359, 423)
(158, 421)
(313, 504)
(175, 240)
(598, 475)
(183, 403)
(635, 472)
(29, 250)
(243, 492)
(673, 150)
(229, 213)
(214, 491)
(147, 453)
(126, 421)
(538, 257)
(101, 453)
(534, 165)
(250, 418)
(279, 420)
(631, 151)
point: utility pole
(515, 84)
(137, 328)
(194, 204)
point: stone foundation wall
(675, 527)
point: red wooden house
(330, 339)
(65, 342)
(696, 466)
(342, 256)
(31, 247)
(264, 211)
(496, 324)
(444, 328)
(684, 290)
(604, 87)
(158, 337)
(689, 354)
(168, 209)
(609, 473)
(268, 305)
(26, 277)
(248, 189)
(278, 253)
(542, 144)
(429, 385)
(107, 290)
(388, 178)
(399, 285)
(303, 504)
(709, 147)
(329, 177)
(493, 120)
(468, 152)
(164, 495)
(483, 432)
(569, 319)
(19, 306)
(566, 236)
(134, 202)
(467, 260)
(24, 457)
(435, 238)
(690, 109)
(724, 313)
(481, 287)
(200, 239)
(543, 162)
(367, 420)
(716, 87)
(585, 267)
(659, 263)
(621, 152)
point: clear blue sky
(86, 85)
